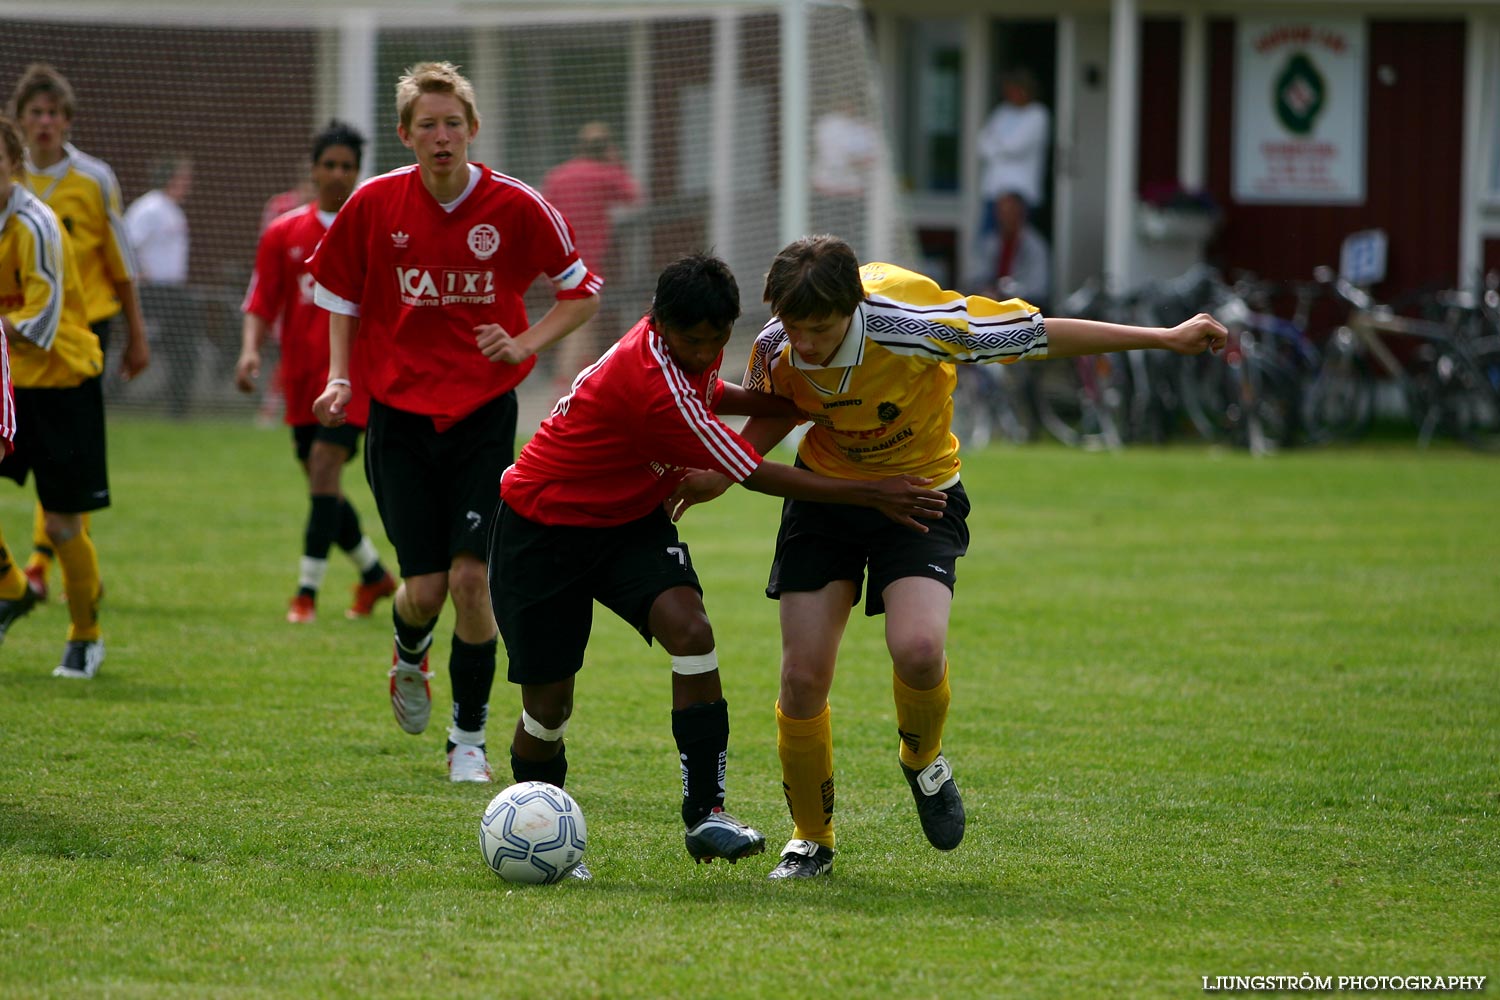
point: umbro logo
(399, 239)
(937, 569)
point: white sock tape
(540, 731)
(703, 663)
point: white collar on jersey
(851, 350)
(474, 174)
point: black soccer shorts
(60, 437)
(436, 492)
(822, 542)
(544, 580)
(345, 436)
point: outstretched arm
(1067, 338)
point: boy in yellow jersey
(55, 363)
(85, 196)
(868, 354)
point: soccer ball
(532, 832)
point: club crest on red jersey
(484, 240)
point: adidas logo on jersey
(399, 238)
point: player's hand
(246, 371)
(1194, 336)
(498, 345)
(697, 486)
(331, 408)
(903, 499)
(135, 359)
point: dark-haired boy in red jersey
(582, 519)
(282, 289)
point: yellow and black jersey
(84, 194)
(41, 296)
(883, 404)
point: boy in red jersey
(18, 594)
(581, 519)
(430, 263)
(282, 289)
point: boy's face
(816, 338)
(44, 125)
(439, 134)
(697, 348)
(334, 176)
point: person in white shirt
(846, 148)
(157, 229)
(1014, 143)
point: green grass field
(1212, 716)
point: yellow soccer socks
(12, 580)
(920, 716)
(806, 750)
(80, 575)
(42, 549)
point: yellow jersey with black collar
(41, 297)
(84, 194)
(882, 405)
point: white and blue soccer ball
(532, 832)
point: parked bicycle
(1253, 394)
(1450, 379)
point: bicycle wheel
(1076, 402)
(1207, 387)
(1470, 396)
(1338, 403)
(1275, 409)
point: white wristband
(340, 381)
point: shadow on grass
(27, 830)
(843, 893)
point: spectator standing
(846, 149)
(591, 190)
(1014, 143)
(157, 229)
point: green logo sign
(1300, 93)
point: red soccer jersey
(422, 277)
(7, 402)
(281, 288)
(616, 445)
(586, 191)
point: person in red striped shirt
(281, 293)
(18, 595)
(429, 264)
(582, 518)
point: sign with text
(1299, 110)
